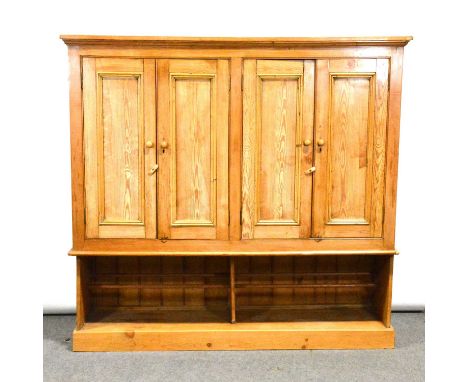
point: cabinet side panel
(82, 291)
(393, 137)
(76, 146)
(383, 294)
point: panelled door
(119, 116)
(350, 140)
(278, 107)
(193, 118)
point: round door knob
(320, 142)
(307, 142)
(164, 144)
(149, 144)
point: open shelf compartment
(158, 296)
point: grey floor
(404, 363)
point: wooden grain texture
(90, 148)
(236, 114)
(76, 147)
(194, 167)
(277, 151)
(245, 336)
(383, 294)
(163, 129)
(349, 143)
(361, 51)
(149, 93)
(82, 295)
(234, 247)
(248, 148)
(233, 42)
(393, 138)
(133, 285)
(307, 152)
(232, 288)
(121, 160)
(273, 157)
(235, 150)
(193, 171)
(351, 121)
(114, 125)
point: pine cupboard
(234, 193)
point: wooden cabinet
(234, 193)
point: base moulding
(239, 336)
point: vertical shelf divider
(232, 277)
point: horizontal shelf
(237, 286)
(270, 285)
(245, 313)
(311, 274)
(164, 275)
(305, 313)
(158, 286)
(226, 248)
(162, 314)
(225, 275)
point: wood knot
(209, 344)
(130, 334)
(303, 347)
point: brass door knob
(164, 144)
(320, 142)
(149, 144)
(307, 142)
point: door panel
(194, 167)
(193, 153)
(276, 191)
(350, 147)
(121, 156)
(114, 133)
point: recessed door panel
(194, 163)
(278, 156)
(193, 99)
(121, 154)
(277, 121)
(349, 153)
(115, 130)
(350, 147)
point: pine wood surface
(229, 42)
(234, 193)
(243, 336)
